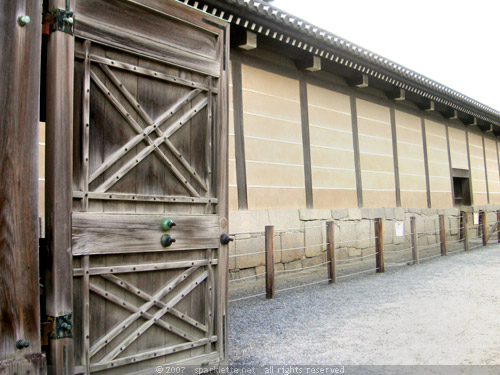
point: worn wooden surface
(483, 219)
(157, 149)
(465, 229)
(330, 252)
(269, 261)
(379, 245)
(442, 235)
(19, 108)
(414, 239)
(498, 226)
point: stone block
(347, 232)
(295, 265)
(284, 219)
(399, 214)
(354, 252)
(260, 270)
(429, 211)
(417, 211)
(339, 214)
(451, 212)
(308, 215)
(246, 246)
(315, 234)
(372, 213)
(248, 221)
(277, 247)
(364, 233)
(309, 262)
(279, 267)
(354, 213)
(388, 232)
(453, 225)
(292, 241)
(246, 273)
(389, 213)
(342, 253)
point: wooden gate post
(414, 239)
(269, 261)
(465, 229)
(498, 225)
(20, 351)
(330, 253)
(442, 235)
(379, 245)
(484, 227)
(58, 188)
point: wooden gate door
(150, 141)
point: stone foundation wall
(354, 235)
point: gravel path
(445, 311)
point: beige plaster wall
(273, 140)
(411, 160)
(458, 148)
(477, 169)
(439, 166)
(492, 170)
(332, 153)
(376, 155)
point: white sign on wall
(476, 218)
(400, 228)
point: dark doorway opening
(461, 188)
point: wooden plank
(269, 233)
(85, 291)
(330, 252)
(442, 235)
(306, 143)
(484, 226)
(85, 126)
(395, 156)
(58, 186)
(485, 171)
(379, 245)
(105, 234)
(465, 229)
(426, 162)
(146, 198)
(239, 136)
(19, 117)
(498, 225)
(414, 239)
(146, 72)
(355, 144)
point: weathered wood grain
(330, 253)
(19, 122)
(269, 261)
(379, 245)
(414, 239)
(442, 235)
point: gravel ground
(445, 311)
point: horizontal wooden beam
(451, 114)
(360, 81)
(245, 40)
(311, 64)
(428, 106)
(470, 121)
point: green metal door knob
(167, 240)
(167, 224)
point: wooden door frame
(59, 175)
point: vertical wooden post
(414, 239)
(484, 226)
(58, 187)
(442, 235)
(19, 129)
(330, 253)
(379, 245)
(498, 225)
(465, 228)
(269, 261)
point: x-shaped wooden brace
(143, 135)
(142, 310)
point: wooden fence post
(414, 239)
(330, 253)
(484, 224)
(379, 245)
(442, 235)
(498, 225)
(269, 261)
(465, 229)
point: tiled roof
(328, 45)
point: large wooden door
(150, 140)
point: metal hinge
(58, 20)
(59, 327)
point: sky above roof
(455, 43)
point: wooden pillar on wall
(486, 172)
(20, 350)
(239, 136)
(306, 143)
(395, 157)
(357, 157)
(468, 161)
(426, 162)
(58, 188)
(449, 163)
